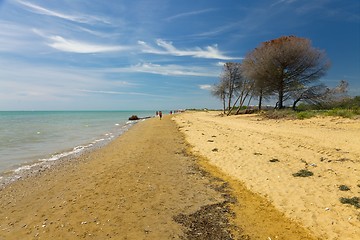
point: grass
(355, 201)
(303, 173)
(345, 113)
(305, 114)
(290, 114)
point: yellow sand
(242, 147)
(133, 188)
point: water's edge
(36, 166)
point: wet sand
(144, 185)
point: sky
(155, 54)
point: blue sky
(155, 54)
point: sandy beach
(264, 155)
(143, 185)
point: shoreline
(144, 184)
(34, 167)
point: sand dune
(264, 155)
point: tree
(219, 91)
(244, 88)
(230, 78)
(321, 96)
(335, 96)
(309, 94)
(254, 70)
(284, 65)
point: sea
(32, 138)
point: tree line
(287, 69)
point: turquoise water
(38, 136)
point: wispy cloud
(75, 46)
(46, 83)
(205, 87)
(168, 70)
(74, 18)
(282, 2)
(187, 14)
(167, 48)
(120, 93)
(15, 38)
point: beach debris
(355, 201)
(210, 140)
(274, 160)
(327, 209)
(215, 150)
(303, 173)
(344, 188)
(83, 223)
(147, 230)
(257, 153)
(134, 117)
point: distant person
(157, 113)
(160, 115)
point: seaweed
(344, 188)
(355, 201)
(274, 160)
(303, 173)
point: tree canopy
(288, 67)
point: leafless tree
(219, 91)
(336, 95)
(309, 94)
(320, 95)
(244, 90)
(230, 78)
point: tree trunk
(251, 96)
(224, 105)
(233, 105)
(281, 99)
(294, 104)
(260, 99)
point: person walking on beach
(160, 115)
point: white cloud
(119, 93)
(220, 64)
(49, 83)
(75, 18)
(75, 46)
(167, 48)
(186, 14)
(205, 87)
(282, 2)
(168, 70)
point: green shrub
(305, 114)
(346, 113)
